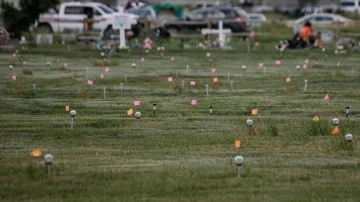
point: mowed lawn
(179, 152)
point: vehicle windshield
(106, 9)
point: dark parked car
(209, 18)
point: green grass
(180, 153)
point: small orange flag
(335, 131)
(36, 152)
(130, 112)
(316, 118)
(254, 112)
(237, 144)
(67, 108)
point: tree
(18, 20)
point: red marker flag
(338, 63)
(90, 82)
(192, 83)
(288, 79)
(326, 97)
(193, 102)
(136, 102)
(170, 79)
(215, 79)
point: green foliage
(20, 19)
(317, 128)
(27, 72)
(273, 129)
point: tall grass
(180, 153)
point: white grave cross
(123, 22)
(221, 32)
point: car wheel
(44, 28)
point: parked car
(262, 9)
(146, 12)
(286, 9)
(350, 6)
(256, 19)
(209, 17)
(319, 19)
(73, 15)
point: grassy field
(180, 152)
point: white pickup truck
(73, 15)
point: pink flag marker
(90, 82)
(192, 83)
(305, 66)
(326, 97)
(193, 102)
(13, 77)
(288, 79)
(107, 69)
(136, 103)
(213, 70)
(261, 65)
(278, 62)
(170, 79)
(215, 79)
(338, 63)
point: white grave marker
(121, 23)
(221, 34)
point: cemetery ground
(179, 152)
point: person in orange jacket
(306, 35)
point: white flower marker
(137, 116)
(348, 137)
(72, 115)
(48, 159)
(238, 160)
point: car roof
(321, 15)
